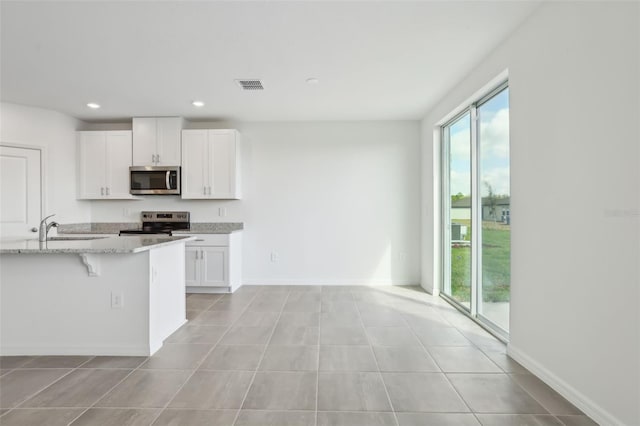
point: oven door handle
(168, 179)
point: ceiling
(382, 60)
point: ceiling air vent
(250, 84)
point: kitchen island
(103, 296)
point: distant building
(498, 212)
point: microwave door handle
(168, 179)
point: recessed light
(197, 104)
(313, 80)
(93, 105)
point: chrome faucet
(44, 228)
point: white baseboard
(79, 350)
(210, 290)
(584, 403)
(329, 282)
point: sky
(493, 134)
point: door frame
(472, 312)
(43, 169)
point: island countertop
(115, 227)
(105, 245)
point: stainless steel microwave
(154, 180)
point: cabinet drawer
(208, 240)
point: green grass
(496, 267)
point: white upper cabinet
(211, 164)
(156, 141)
(104, 158)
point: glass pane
(458, 135)
(493, 138)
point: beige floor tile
(423, 392)
(178, 356)
(80, 388)
(462, 359)
(19, 385)
(290, 358)
(127, 362)
(294, 335)
(56, 362)
(437, 419)
(519, 420)
(404, 359)
(494, 393)
(443, 336)
(392, 336)
(382, 319)
(300, 319)
(145, 389)
(39, 417)
(247, 336)
(233, 357)
(174, 417)
(349, 335)
(198, 334)
(273, 390)
(347, 358)
(352, 392)
(276, 418)
(219, 318)
(117, 417)
(11, 362)
(552, 401)
(577, 421)
(213, 390)
(333, 418)
(257, 319)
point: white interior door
(20, 192)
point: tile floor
(294, 356)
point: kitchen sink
(73, 238)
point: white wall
(337, 201)
(574, 95)
(55, 132)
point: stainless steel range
(161, 223)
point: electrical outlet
(274, 257)
(117, 300)
(222, 211)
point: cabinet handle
(108, 191)
(101, 190)
(196, 254)
(157, 158)
(204, 190)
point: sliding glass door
(457, 137)
(477, 215)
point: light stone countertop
(115, 227)
(106, 245)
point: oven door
(150, 180)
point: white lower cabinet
(213, 263)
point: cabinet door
(195, 164)
(223, 163)
(215, 266)
(144, 141)
(118, 145)
(168, 130)
(192, 266)
(91, 165)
